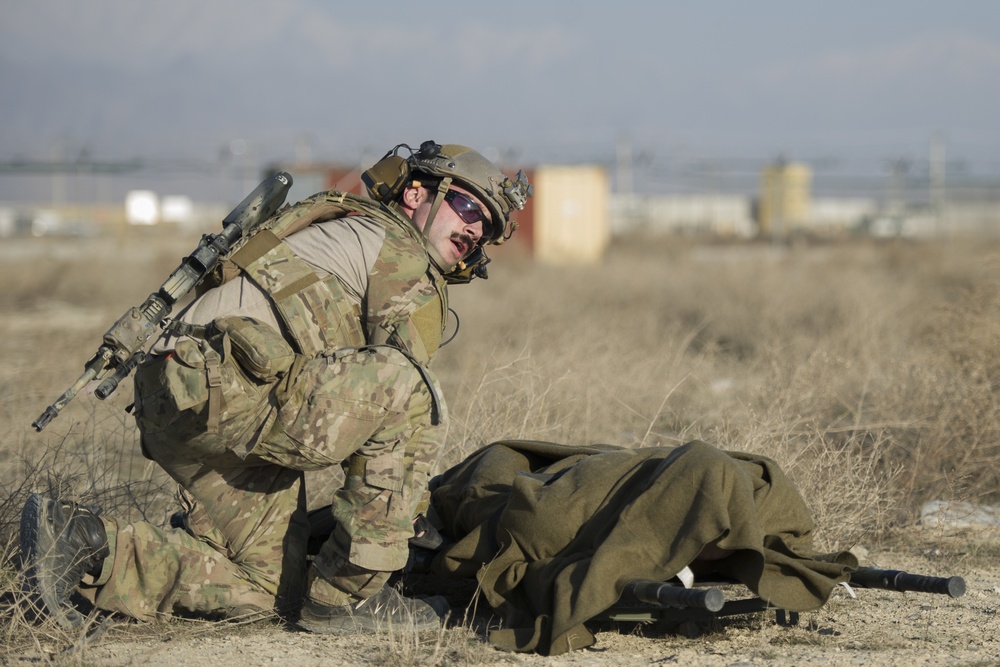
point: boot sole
(360, 625)
(37, 542)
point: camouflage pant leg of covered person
(374, 409)
(243, 549)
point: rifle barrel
(91, 371)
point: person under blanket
(553, 533)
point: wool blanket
(553, 533)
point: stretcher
(691, 607)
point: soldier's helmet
(461, 165)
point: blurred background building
(578, 208)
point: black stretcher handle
(897, 580)
(669, 595)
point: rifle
(124, 343)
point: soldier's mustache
(466, 240)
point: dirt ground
(875, 628)
(64, 316)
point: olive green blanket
(553, 533)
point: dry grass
(866, 370)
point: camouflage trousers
(243, 547)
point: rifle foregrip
(897, 580)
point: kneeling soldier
(310, 351)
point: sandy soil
(875, 628)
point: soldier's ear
(414, 194)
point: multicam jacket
(401, 301)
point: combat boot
(387, 607)
(61, 541)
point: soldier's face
(453, 233)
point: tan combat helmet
(444, 165)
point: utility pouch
(206, 377)
(184, 375)
(260, 350)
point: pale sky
(532, 81)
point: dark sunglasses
(469, 211)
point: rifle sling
(214, 372)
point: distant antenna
(624, 165)
(937, 192)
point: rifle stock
(124, 343)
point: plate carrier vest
(406, 302)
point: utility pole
(896, 195)
(624, 165)
(937, 184)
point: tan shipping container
(571, 217)
(785, 198)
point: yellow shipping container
(571, 221)
(785, 199)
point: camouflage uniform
(322, 378)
